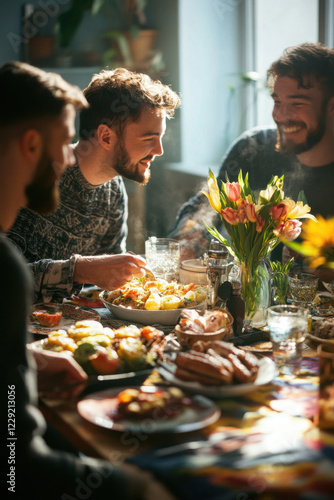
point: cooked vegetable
(141, 293)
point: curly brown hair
(119, 96)
(305, 62)
(28, 93)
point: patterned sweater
(90, 220)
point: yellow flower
(318, 242)
(297, 210)
(213, 195)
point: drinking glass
(287, 326)
(163, 257)
(302, 288)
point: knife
(215, 438)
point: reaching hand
(109, 271)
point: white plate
(266, 374)
(144, 317)
(96, 408)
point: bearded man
(120, 135)
(37, 112)
(301, 82)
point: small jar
(193, 271)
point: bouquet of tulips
(254, 224)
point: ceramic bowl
(188, 338)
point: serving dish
(98, 409)
(153, 301)
(266, 374)
(70, 314)
(144, 317)
(93, 382)
(102, 350)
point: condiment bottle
(236, 306)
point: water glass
(326, 386)
(163, 257)
(288, 326)
(302, 288)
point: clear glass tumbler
(302, 288)
(163, 257)
(288, 326)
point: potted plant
(133, 46)
(133, 43)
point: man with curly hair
(301, 146)
(120, 136)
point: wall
(209, 62)
(273, 24)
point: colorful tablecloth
(270, 448)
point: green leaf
(299, 248)
(302, 197)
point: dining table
(265, 444)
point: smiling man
(301, 147)
(120, 135)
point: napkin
(250, 336)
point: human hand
(109, 271)
(58, 374)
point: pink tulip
(233, 190)
(259, 224)
(290, 230)
(250, 212)
(230, 215)
(278, 211)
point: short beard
(42, 193)
(311, 140)
(123, 166)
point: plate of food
(150, 302)
(88, 297)
(44, 318)
(323, 304)
(259, 347)
(148, 410)
(322, 330)
(103, 351)
(217, 369)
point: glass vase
(254, 280)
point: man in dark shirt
(301, 148)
